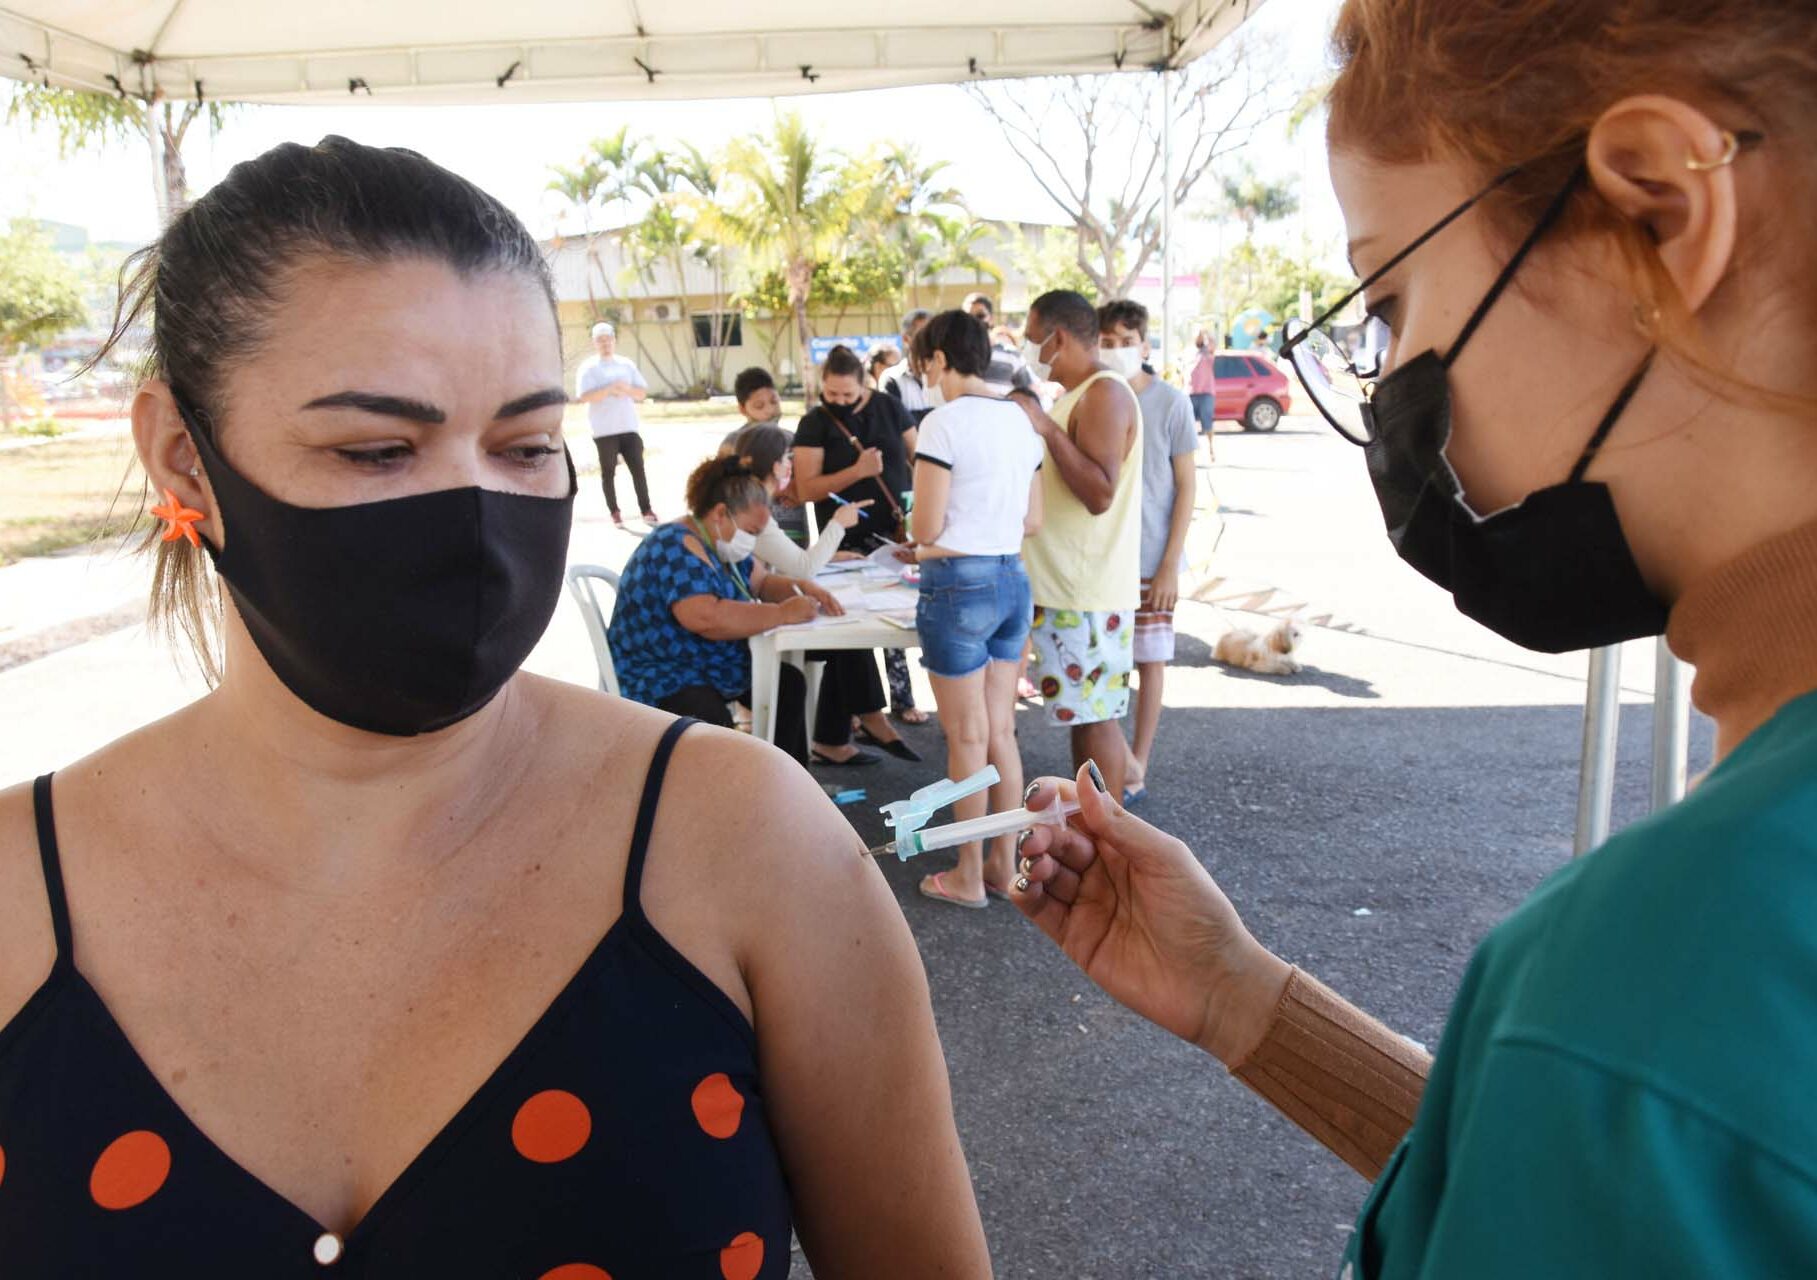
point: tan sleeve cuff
(1339, 1074)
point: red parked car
(1250, 390)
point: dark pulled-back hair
(761, 447)
(750, 381)
(212, 286)
(213, 281)
(1064, 309)
(842, 363)
(1123, 313)
(958, 337)
(725, 480)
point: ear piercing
(179, 520)
(1731, 145)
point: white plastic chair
(583, 585)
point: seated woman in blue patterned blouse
(692, 595)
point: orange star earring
(179, 520)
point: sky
(507, 150)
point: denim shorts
(973, 610)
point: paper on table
(884, 557)
(894, 599)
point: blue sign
(820, 348)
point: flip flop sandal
(910, 715)
(1132, 798)
(996, 891)
(939, 894)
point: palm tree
(956, 243)
(680, 186)
(602, 183)
(1255, 200)
(790, 205)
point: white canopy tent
(431, 51)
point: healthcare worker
(1620, 192)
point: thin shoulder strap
(53, 870)
(646, 812)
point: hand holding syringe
(907, 816)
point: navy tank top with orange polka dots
(624, 1137)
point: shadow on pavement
(1101, 1146)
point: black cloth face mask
(1553, 573)
(402, 616)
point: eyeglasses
(1341, 378)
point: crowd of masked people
(1043, 485)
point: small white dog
(1269, 655)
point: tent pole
(1671, 726)
(1167, 214)
(1596, 776)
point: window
(728, 324)
(1230, 367)
(1261, 367)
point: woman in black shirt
(859, 445)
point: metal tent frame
(1602, 715)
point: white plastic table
(859, 629)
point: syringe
(1006, 823)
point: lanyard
(730, 568)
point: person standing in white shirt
(976, 499)
(611, 387)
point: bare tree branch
(1093, 146)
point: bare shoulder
(780, 818)
(27, 945)
(752, 832)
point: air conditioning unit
(660, 311)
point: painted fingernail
(1021, 884)
(1097, 779)
(1030, 790)
(1026, 865)
(1021, 839)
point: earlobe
(166, 451)
(1659, 161)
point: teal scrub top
(1627, 1084)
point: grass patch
(47, 426)
(65, 493)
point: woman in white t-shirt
(976, 498)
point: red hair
(1499, 83)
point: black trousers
(629, 446)
(848, 687)
(708, 705)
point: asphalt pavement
(1371, 817)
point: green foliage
(78, 119)
(867, 277)
(40, 293)
(1051, 262)
(1266, 276)
(1255, 200)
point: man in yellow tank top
(1084, 567)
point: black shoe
(857, 761)
(900, 749)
